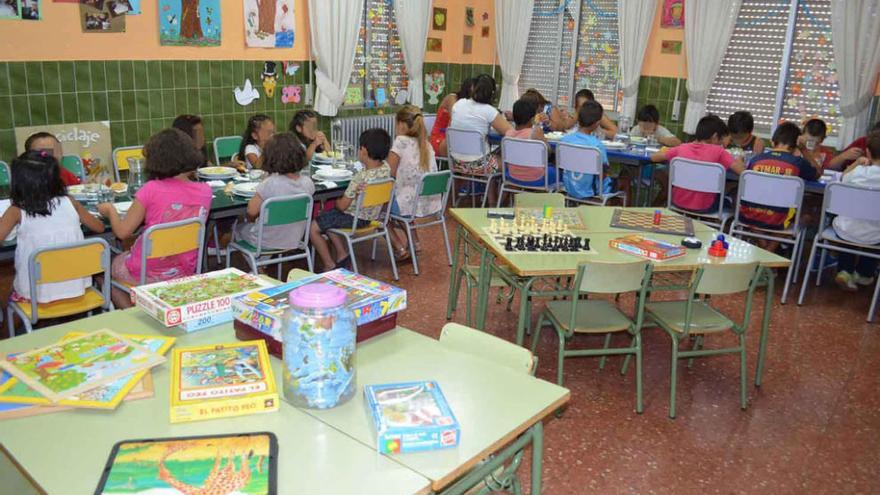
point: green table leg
(765, 325)
(454, 275)
(525, 293)
(537, 456)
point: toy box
(221, 380)
(411, 417)
(198, 301)
(652, 249)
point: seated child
(648, 124)
(608, 127)
(856, 149)
(48, 142)
(169, 195)
(283, 158)
(373, 148)
(584, 185)
(193, 127)
(812, 137)
(550, 118)
(788, 156)
(706, 147)
(741, 126)
(411, 157)
(527, 127)
(260, 128)
(856, 270)
(305, 126)
(45, 216)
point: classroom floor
(813, 427)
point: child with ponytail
(411, 157)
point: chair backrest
(121, 156)
(579, 159)
(376, 193)
(429, 122)
(612, 278)
(434, 184)
(284, 210)
(465, 144)
(538, 200)
(851, 201)
(65, 262)
(468, 340)
(5, 174)
(524, 152)
(226, 147)
(173, 238)
(780, 191)
(725, 278)
(74, 165)
(695, 175)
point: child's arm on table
(90, 221)
(124, 228)
(9, 220)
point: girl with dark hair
(477, 114)
(260, 129)
(192, 126)
(45, 216)
(305, 126)
(444, 115)
(45, 141)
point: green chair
(538, 200)
(226, 147)
(74, 165)
(432, 185)
(277, 212)
(5, 174)
(574, 315)
(498, 472)
(682, 319)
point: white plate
(246, 189)
(334, 174)
(85, 191)
(217, 172)
(613, 145)
(122, 207)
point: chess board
(570, 218)
(540, 243)
(643, 221)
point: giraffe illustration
(222, 480)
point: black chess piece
(520, 243)
(586, 244)
(508, 244)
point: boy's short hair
(786, 134)
(523, 111)
(648, 113)
(169, 153)
(875, 127)
(590, 113)
(709, 126)
(741, 122)
(29, 142)
(484, 89)
(284, 154)
(585, 94)
(816, 127)
(377, 142)
(872, 144)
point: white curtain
(855, 29)
(413, 18)
(634, 20)
(334, 27)
(512, 21)
(708, 25)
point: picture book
(104, 397)
(652, 249)
(71, 367)
(222, 380)
(197, 301)
(411, 417)
(370, 300)
(218, 465)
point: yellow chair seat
(92, 299)
(373, 225)
(591, 316)
(705, 319)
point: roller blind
(378, 61)
(596, 67)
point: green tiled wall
(660, 91)
(455, 73)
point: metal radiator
(349, 129)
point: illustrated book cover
(411, 417)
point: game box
(411, 417)
(647, 248)
(198, 301)
(221, 380)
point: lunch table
(332, 451)
(525, 269)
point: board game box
(198, 301)
(221, 380)
(411, 417)
(653, 249)
(643, 221)
(371, 300)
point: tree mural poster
(269, 23)
(189, 22)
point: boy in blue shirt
(578, 185)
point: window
(573, 44)
(750, 77)
(379, 72)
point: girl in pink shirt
(169, 196)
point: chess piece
(719, 247)
(493, 226)
(586, 244)
(657, 217)
(508, 244)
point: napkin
(328, 184)
(216, 183)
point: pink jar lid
(317, 295)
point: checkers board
(643, 221)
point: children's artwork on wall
(189, 23)
(469, 16)
(246, 95)
(30, 10)
(485, 16)
(10, 9)
(269, 78)
(269, 23)
(124, 7)
(290, 68)
(96, 17)
(485, 32)
(90, 141)
(439, 19)
(381, 97)
(435, 85)
(291, 94)
(354, 95)
(670, 47)
(467, 44)
(673, 14)
(435, 45)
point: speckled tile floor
(813, 426)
